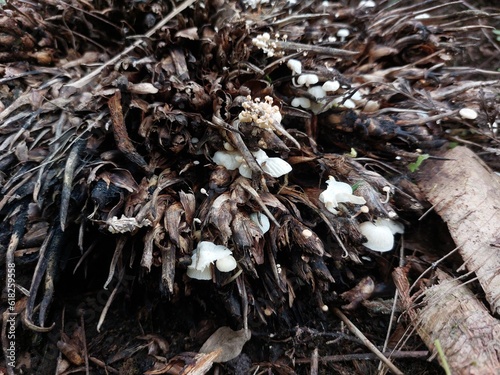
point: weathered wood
(465, 193)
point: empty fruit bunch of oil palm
(253, 158)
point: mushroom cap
(276, 167)
(206, 253)
(261, 220)
(317, 91)
(394, 226)
(295, 66)
(226, 264)
(380, 238)
(228, 159)
(204, 274)
(338, 192)
(331, 86)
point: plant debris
(132, 135)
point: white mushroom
(206, 254)
(276, 167)
(317, 91)
(261, 220)
(228, 159)
(468, 113)
(226, 264)
(338, 192)
(331, 86)
(295, 66)
(307, 79)
(394, 226)
(380, 237)
(301, 102)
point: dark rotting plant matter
(237, 167)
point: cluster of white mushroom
(231, 160)
(265, 43)
(338, 192)
(207, 253)
(320, 92)
(379, 234)
(262, 113)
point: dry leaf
(228, 341)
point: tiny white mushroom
(394, 226)
(301, 102)
(367, 4)
(331, 86)
(338, 192)
(203, 256)
(342, 34)
(295, 66)
(317, 91)
(380, 238)
(245, 170)
(468, 113)
(260, 155)
(276, 167)
(348, 103)
(261, 220)
(228, 159)
(307, 79)
(226, 264)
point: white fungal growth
(307, 233)
(307, 79)
(228, 159)
(206, 254)
(265, 43)
(231, 160)
(394, 226)
(276, 167)
(468, 113)
(295, 66)
(342, 34)
(348, 103)
(380, 237)
(301, 102)
(331, 86)
(367, 4)
(261, 220)
(338, 192)
(317, 91)
(226, 264)
(262, 113)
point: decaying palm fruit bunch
(250, 159)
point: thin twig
(366, 356)
(367, 342)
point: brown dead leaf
(228, 342)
